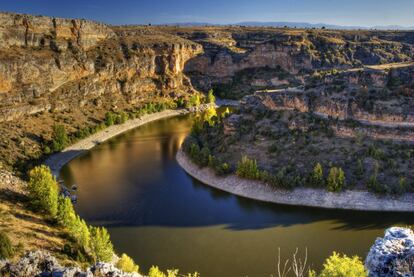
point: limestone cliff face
(233, 54)
(368, 98)
(38, 31)
(58, 64)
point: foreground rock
(392, 255)
(41, 263)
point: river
(159, 215)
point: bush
(316, 177)
(127, 264)
(81, 233)
(121, 118)
(6, 247)
(336, 179)
(66, 215)
(343, 266)
(219, 167)
(156, 272)
(101, 245)
(59, 138)
(110, 118)
(210, 97)
(194, 101)
(359, 171)
(247, 168)
(43, 190)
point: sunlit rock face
(392, 255)
(60, 64)
(233, 53)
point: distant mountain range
(302, 25)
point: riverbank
(348, 200)
(58, 160)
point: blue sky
(341, 12)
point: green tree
(110, 119)
(59, 138)
(247, 168)
(43, 190)
(336, 179)
(194, 101)
(316, 176)
(343, 266)
(127, 264)
(211, 99)
(6, 247)
(101, 245)
(66, 215)
(210, 116)
(121, 118)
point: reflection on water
(159, 215)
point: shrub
(210, 97)
(59, 138)
(194, 151)
(81, 233)
(127, 264)
(210, 116)
(316, 176)
(43, 190)
(121, 118)
(247, 168)
(203, 157)
(66, 215)
(6, 247)
(336, 179)
(343, 266)
(156, 272)
(359, 172)
(76, 253)
(373, 183)
(101, 245)
(219, 167)
(194, 101)
(110, 119)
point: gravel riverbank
(349, 200)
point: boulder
(392, 255)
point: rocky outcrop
(392, 255)
(41, 263)
(232, 53)
(367, 100)
(39, 31)
(51, 64)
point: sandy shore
(349, 200)
(58, 160)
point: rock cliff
(233, 55)
(59, 64)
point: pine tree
(336, 179)
(316, 177)
(127, 264)
(101, 245)
(43, 190)
(59, 138)
(66, 215)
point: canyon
(341, 98)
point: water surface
(159, 215)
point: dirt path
(349, 200)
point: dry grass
(26, 229)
